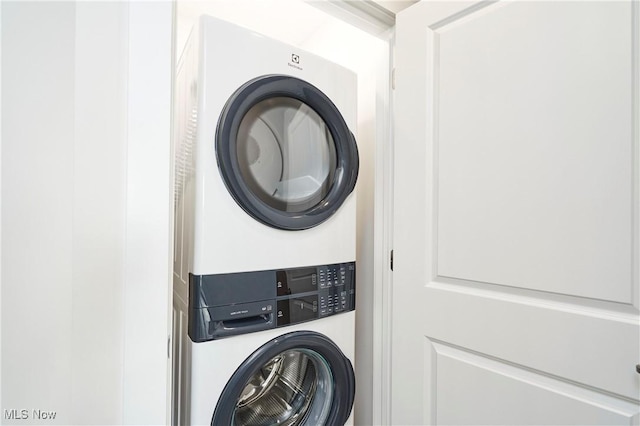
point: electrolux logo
(295, 61)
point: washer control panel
(305, 294)
(222, 305)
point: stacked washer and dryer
(264, 265)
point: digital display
(305, 294)
(298, 309)
(297, 281)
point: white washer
(264, 266)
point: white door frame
(149, 214)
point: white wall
(37, 193)
(85, 213)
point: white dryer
(264, 266)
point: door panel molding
(579, 330)
(430, 379)
(593, 307)
(589, 405)
(563, 235)
(542, 332)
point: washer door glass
(285, 152)
(290, 388)
(299, 378)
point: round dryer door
(285, 152)
(300, 378)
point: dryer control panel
(224, 305)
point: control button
(323, 312)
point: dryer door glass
(285, 153)
(297, 379)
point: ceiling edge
(364, 14)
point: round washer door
(300, 378)
(285, 152)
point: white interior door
(516, 219)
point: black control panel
(229, 304)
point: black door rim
(347, 160)
(341, 368)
